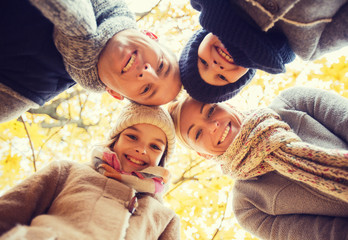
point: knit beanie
(195, 86)
(249, 46)
(81, 44)
(134, 113)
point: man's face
(136, 67)
(216, 66)
(208, 128)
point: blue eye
(160, 67)
(198, 133)
(211, 111)
(131, 136)
(203, 62)
(222, 77)
(146, 89)
(154, 146)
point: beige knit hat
(134, 113)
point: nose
(213, 126)
(217, 66)
(148, 73)
(141, 149)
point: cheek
(156, 158)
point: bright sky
(140, 6)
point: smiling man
(135, 66)
(93, 43)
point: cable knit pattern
(82, 28)
(265, 143)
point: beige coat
(68, 200)
(275, 207)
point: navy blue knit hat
(195, 86)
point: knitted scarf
(265, 143)
(148, 180)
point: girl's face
(140, 146)
(208, 128)
(215, 64)
(139, 68)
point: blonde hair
(175, 109)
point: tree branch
(30, 142)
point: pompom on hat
(195, 86)
(134, 113)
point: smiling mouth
(134, 160)
(224, 55)
(224, 135)
(129, 63)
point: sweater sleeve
(330, 109)
(334, 36)
(172, 231)
(81, 18)
(32, 197)
(289, 226)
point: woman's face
(208, 128)
(139, 68)
(215, 64)
(140, 146)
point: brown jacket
(275, 207)
(68, 200)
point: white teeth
(136, 161)
(224, 135)
(130, 63)
(224, 55)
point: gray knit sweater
(275, 207)
(312, 27)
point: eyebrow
(203, 104)
(188, 130)
(134, 128)
(201, 110)
(160, 140)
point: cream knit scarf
(265, 143)
(148, 180)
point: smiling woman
(275, 157)
(208, 128)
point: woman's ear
(205, 155)
(114, 94)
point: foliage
(67, 127)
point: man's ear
(205, 155)
(114, 94)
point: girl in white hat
(117, 197)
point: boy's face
(140, 146)
(136, 67)
(215, 64)
(208, 128)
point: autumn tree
(70, 124)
